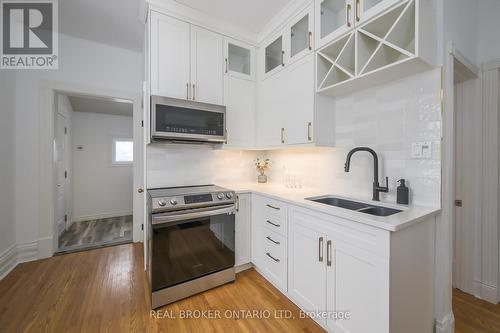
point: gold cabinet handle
(309, 40)
(282, 135)
(237, 203)
(357, 10)
(320, 249)
(329, 253)
(226, 65)
(309, 136)
(283, 58)
(140, 190)
(187, 90)
(194, 92)
(348, 14)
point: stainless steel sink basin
(356, 206)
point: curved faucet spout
(376, 186)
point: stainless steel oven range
(191, 241)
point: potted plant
(262, 166)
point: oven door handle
(174, 217)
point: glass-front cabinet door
(274, 55)
(239, 59)
(300, 34)
(333, 19)
(366, 9)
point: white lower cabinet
(307, 269)
(243, 230)
(348, 276)
(269, 240)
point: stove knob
(162, 203)
(173, 202)
(229, 195)
(220, 196)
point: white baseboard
(243, 267)
(17, 254)
(446, 324)
(101, 216)
(8, 261)
(486, 292)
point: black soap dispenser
(402, 193)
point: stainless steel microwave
(179, 120)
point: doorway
(93, 171)
(467, 172)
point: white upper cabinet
(240, 111)
(366, 9)
(333, 19)
(239, 59)
(186, 60)
(274, 55)
(207, 76)
(300, 35)
(169, 56)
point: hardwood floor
(96, 233)
(105, 290)
(473, 315)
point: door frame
(47, 235)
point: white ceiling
(250, 15)
(97, 105)
(112, 22)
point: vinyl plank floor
(96, 233)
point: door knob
(140, 190)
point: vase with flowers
(262, 166)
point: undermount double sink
(356, 206)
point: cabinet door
(243, 230)
(238, 59)
(358, 282)
(240, 111)
(170, 45)
(333, 19)
(274, 55)
(272, 103)
(366, 9)
(207, 74)
(307, 263)
(300, 35)
(299, 112)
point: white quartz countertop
(409, 215)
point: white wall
(388, 119)
(7, 160)
(489, 30)
(180, 165)
(100, 189)
(80, 62)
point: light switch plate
(421, 150)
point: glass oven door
(186, 247)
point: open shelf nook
(336, 62)
(399, 42)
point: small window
(123, 151)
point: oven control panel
(164, 204)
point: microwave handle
(172, 218)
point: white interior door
(61, 167)
(207, 73)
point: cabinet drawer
(274, 223)
(275, 259)
(274, 243)
(274, 208)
